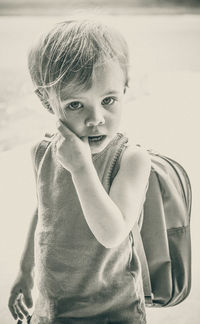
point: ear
(44, 101)
(126, 85)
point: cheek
(75, 123)
(114, 119)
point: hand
(73, 152)
(20, 296)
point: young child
(91, 185)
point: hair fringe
(70, 50)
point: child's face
(94, 113)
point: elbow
(113, 240)
(112, 244)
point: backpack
(162, 235)
(162, 240)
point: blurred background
(162, 111)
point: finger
(18, 310)
(21, 307)
(11, 303)
(27, 298)
(64, 129)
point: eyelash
(77, 102)
(113, 101)
(72, 108)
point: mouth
(96, 138)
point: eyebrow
(68, 98)
(65, 97)
(111, 92)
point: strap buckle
(149, 300)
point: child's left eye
(108, 101)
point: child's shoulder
(135, 153)
(38, 149)
(135, 160)
(42, 143)
(34, 148)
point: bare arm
(27, 260)
(20, 296)
(110, 217)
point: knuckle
(61, 130)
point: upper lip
(95, 135)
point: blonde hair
(69, 52)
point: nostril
(90, 123)
(94, 117)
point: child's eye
(74, 105)
(108, 101)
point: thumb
(28, 298)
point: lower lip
(97, 141)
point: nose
(95, 118)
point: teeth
(95, 138)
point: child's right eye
(75, 105)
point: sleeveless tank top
(76, 276)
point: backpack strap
(137, 239)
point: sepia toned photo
(99, 161)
